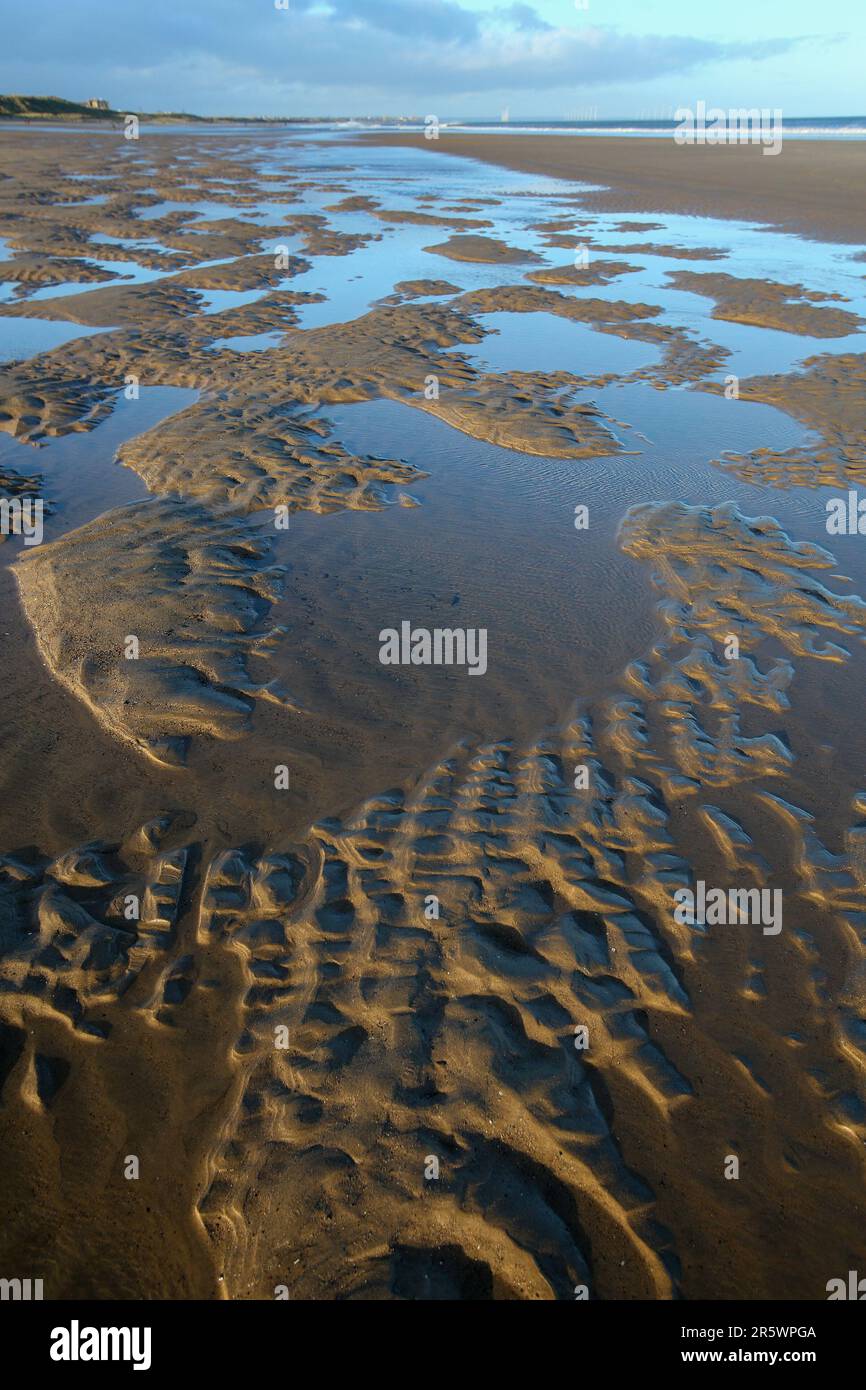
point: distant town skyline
(558, 59)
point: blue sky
(546, 58)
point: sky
(553, 59)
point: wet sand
(315, 938)
(813, 187)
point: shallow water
(82, 477)
(545, 343)
(21, 338)
(246, 342)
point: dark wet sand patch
(478, 248)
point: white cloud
(217, 56)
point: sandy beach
(378, 970)
(813, 188)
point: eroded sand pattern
(207, 585)
(382, 977)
